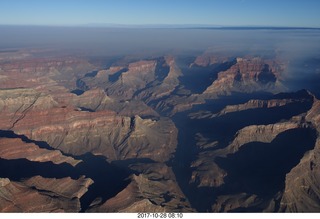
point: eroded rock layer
(155, 134)
(39, 194)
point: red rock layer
(39, 194)
(40, 117)
(15, 148)
(248, 75)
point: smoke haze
(124, 41)
(299, 47)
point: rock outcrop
(40, 117)
(32, 72)
(15, 148)
(301, 192)
(231, 203)
(138, 76)
(207, 172)
(106, 135)
(39, 194)
(260, 133)
(166, 84)
(254, 104)
(248, 75)
(208, 59)
(215, 165)
(153, 190)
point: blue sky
(302, 13)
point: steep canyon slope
(177, 134)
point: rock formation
(301, 192)
(154, 190)
(39, 194)
(15, 148)
(155, 134)
(210, 168)
(248, 75)
(40, 117)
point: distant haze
(123, 41)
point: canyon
(197, 133)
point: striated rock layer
(39, 194)
(235, 175)
(154, 190)
(15, 148)
(301, 192)
(248, 75)
(40, 117)
(54, 109)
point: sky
(289, 13)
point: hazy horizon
(126, 41)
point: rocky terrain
(207, 133)
(248, 75)
(38, 194)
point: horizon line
(167, 26)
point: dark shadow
(301, 94)
(162, 69)
(266, 76)
(81, 85)
(91, 74)
(108, 179)
(216, 105)
(114, 77)
(18, 169)
(186, 152)
(11, 134)
(78, 92)
(222, 129)
(197, 78)
(260, 168)
(86, 109)
(128, 162)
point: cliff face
(260, 133)
(15, 148)
(155, 135)
(155, 83)
(255, 104)
(313, 114)
(43, 119)
(154, 190)
(301, 192)
(208, 59)
(248, 75)
(168, 79)
(74, 131)
(32, 72)
(207, 173)
(137, 77)
(236, 173)
(252, 105)
(38, 194)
